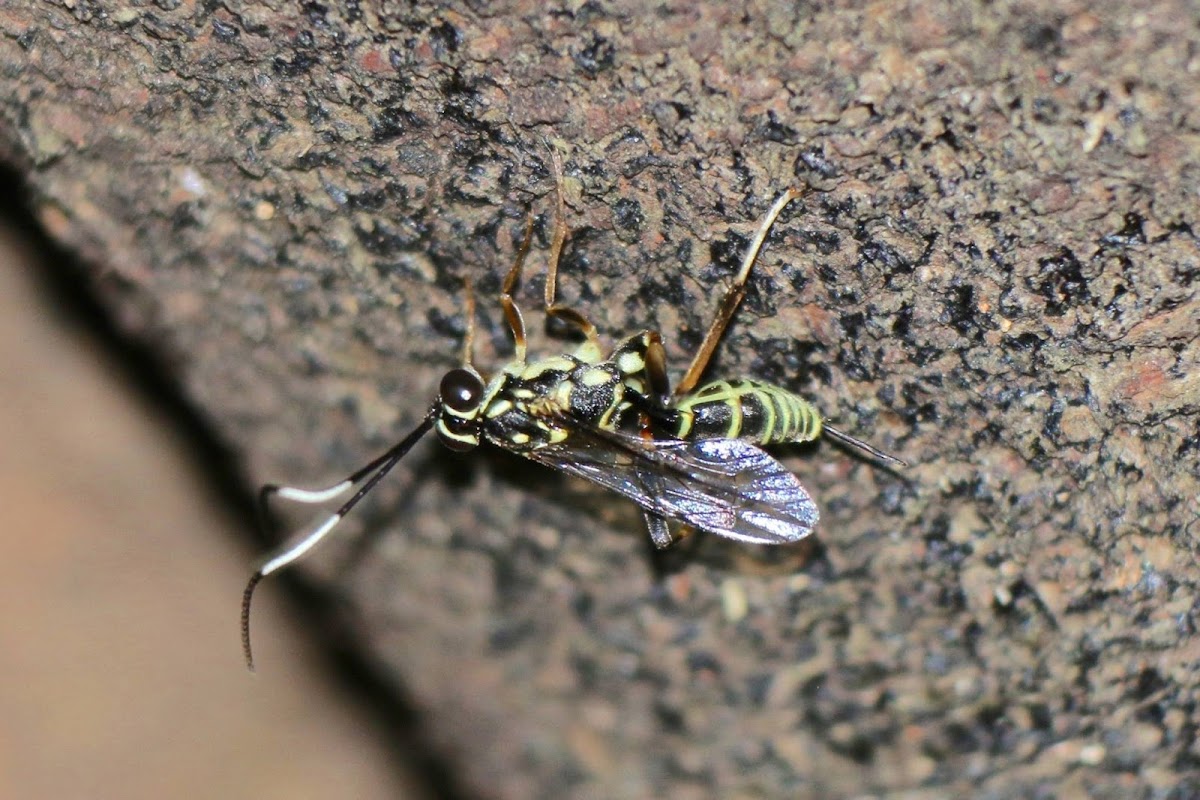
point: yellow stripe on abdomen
(756, 412)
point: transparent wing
(723, 486)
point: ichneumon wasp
(685, 454)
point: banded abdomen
(746, 409)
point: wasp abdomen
(745, 409)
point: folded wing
(724, 486)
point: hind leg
(733, 297)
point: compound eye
(461, 389)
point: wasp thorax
(459, 396)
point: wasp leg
(591, 350)
(655, 417)
(658, 382)
(511, 313)
(733, 297)
(643, 366)
(660, 532)
(468, 357)
(560, 229)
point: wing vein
(728, 487)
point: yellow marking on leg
(562, 394)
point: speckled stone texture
(994, 276)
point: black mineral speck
(315, 159)
(826, 242)
(670, 718)
(903, 137)
(390, 122)
(184, 216)
(596, 56)
(903, 321)
(703, 661)
(813, 159)
(885, 256)
(775, 130)
(1061, 282)
(1130, 233)
(367, 200)
(445, 325)
(224, 31)
(382, 239)
(725, 256)
(628, 216)
(299, 64)
(1043, 38)
(960, 310)
(446, 37)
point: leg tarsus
(660, 531)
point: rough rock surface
(994, 276)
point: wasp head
(460, 401)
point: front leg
(660, 530)
(642, 362)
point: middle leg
(511, 313)
(591, 350)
